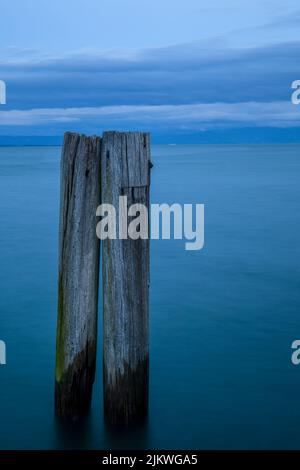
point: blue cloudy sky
(187, 71)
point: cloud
(192, 87)
(198, 117)
(182, 74)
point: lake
(222, 319)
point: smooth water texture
(222, 319)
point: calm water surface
(222, 319)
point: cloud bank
(196, 116)
(186, 86)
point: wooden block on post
(78, 275)
(125, 171)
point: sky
(186, 71)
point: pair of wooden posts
(95, 170)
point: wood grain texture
(125, 170)
(78, 275)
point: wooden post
(125, 171)
(78, 275)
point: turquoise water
(222, 319)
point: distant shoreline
(259, 136)
(229, 144)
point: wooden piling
(125, 171)
(78, 275)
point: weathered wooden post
(78, 275)
(125, 171)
